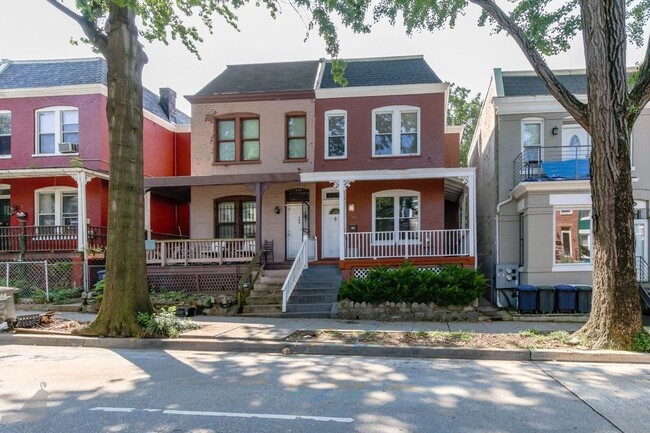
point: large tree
(546, 27)
(110, 26)
(464, 111)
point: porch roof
(409, 173)
(24, 173)
(219, 179)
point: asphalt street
(50, 389)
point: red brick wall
(23, 129)
(452, 150)
(183, 154)
(359, 133)
(432, 202)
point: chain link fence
(43, 281)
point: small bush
(164, 324)
(98, 291)
(61, 296)
(641, 342)
(452, 286)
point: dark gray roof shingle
(382, 72)
(263, 77)
(532, 85)
(56, 73)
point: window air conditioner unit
(68, 147)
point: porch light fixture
(277, 210)
(555, 130)
(351, 207)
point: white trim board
(410, 173)
(403, 89)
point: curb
(272, 346)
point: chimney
(168, 103)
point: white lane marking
(114, 409)
(229, 414)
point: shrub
(98, 291)
(641, 342)
(452, 286)
(61, 296)
(164, 324)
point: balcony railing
(550, 163)
(201, 251)
(405, 244)
(48, 238)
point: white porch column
(471, 184)
(147, 213)
(82, 223)
(342, 215)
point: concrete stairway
(265, 299)
(316, 292)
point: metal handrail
(300, 263)
(538, 163)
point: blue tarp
(569, 169)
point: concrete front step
(262, 309)
(275, 272)
(305, 308)
(267, 286)
(307, 315)
(318, 285)
(320, 291)
(265, 279)
(299, 298)
(264, 300)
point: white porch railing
(201, 251)
(299, 264)
(421, 243)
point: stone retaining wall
(401, 311)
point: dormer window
(396, 131)
(57, 131)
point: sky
(465, 55)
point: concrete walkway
(270, 328)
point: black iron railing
(551, 163)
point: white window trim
(57, 129)
(9, 113)
(396, 111)
(532, 120)
(395, 193)
(570, 267)
(328, 114)
(58, 202)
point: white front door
(331, 229)
(575, 142)
(294, 229)
(641, 245)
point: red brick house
(54, 158)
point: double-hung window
(238, 139)
(336, 134)
(396, 131)
(57, 207)
(296, 136)
(396, 215)
(57, 130)
(236, 217)
(5, 134)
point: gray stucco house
(533, 190)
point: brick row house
(54, 159)
(285, 159)
(534, 196)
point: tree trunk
(126, 292)
(616, 311)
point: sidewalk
(267, 335)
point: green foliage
(641, 342)
(452, 286)
(463, 111)
(164, 324)
(61, 296)
(98, 291)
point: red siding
(158, 150)
(359, 130)
(183, 154)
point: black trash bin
(584, 299)
(546, 299)
(101, 274)
(527, 298)
(566, 298)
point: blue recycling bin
(567, 298)
(527, 298)
(101, 275)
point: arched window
(396, 131)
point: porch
(41, 239)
